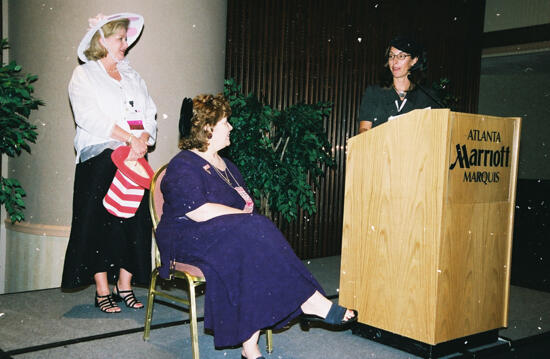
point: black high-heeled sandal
(108, 302)
(129, 299)
(336, 317)
(243, 357)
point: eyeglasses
(399, 56)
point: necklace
(249, 203)
(400, 93)
(225, 176)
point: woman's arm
(367, 108)
(150, 112)
(211, 210)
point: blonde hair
(208, 110)
(96, 51)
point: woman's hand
(138, 147)
(364, 126)
(133, 155)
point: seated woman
(254, 279)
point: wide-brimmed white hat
(96, 22)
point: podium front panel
(393, 208)
(424, 254)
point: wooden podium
(428, 218)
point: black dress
(99, 241)
(379, 103)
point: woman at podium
(400, 93)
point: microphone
(432, 97)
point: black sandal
(129, 299)
(106, 303)
(336, 317)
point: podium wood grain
(417, 261)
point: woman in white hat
(112, 108)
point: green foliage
(281, 154)
(442, 90)
(16, 132)
(11, 196)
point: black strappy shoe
(129, 299)
(107, 302)
(336, 317)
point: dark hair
(208, 110)
(412, 47)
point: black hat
(406, 45)
(412, 47)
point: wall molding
(38, 229)
(526, 48)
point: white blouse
(99, 102)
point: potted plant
(16, 131)
(281, 154)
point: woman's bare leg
(124, 283)
(102, 288)
(250, 347)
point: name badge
(249, 203)
(135, 124)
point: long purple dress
(253, 278)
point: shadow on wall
(531, 246)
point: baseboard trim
(38, 229)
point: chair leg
(269, 341)
(150, 304)
(193, 319)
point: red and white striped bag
(131, 179)
(123, 197)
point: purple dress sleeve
(183, 188)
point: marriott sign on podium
(480, 157)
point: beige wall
(510, 14)
(181, 52)
(514, 80)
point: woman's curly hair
(208, 110)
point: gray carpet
(54, 324)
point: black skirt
(99, 241)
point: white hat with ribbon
(95, 23)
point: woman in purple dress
(254, 279)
